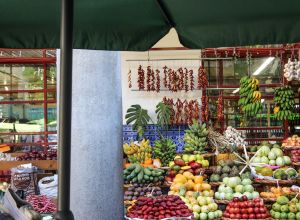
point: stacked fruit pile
(284, 101)
(187, 183)
(165, 150)
(271, 155)
(285, 208)
(225, 168)
(138, 190)
(242, 208)
(275, 192)
(250, 97)
(135, 173)
(159, 208)
(203, 207)
(195, 138)
(235, 187)
(138, 152)
(293, 141)
(186, 162)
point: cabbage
(249, 188)
(239, 188)
(237, 194)
(234, 181)
(277, 151)
(228, 190)
(248, 194)
(264, 151)
(222, 195)
(272, 155)
(272, 162)
(225, 180)
(222, 188)
(287, 160)
(265, 160)
(279, 161)
(246, 182)
(256, 160)
(228, 196)
(255, 195)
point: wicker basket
(275, 182)
(223, 201)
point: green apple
(211, 215)
(201, 200)
(203, 216)
(204, 209)
(212, 207)
(185, 157)
(196, 215)
(209, 200)
(199, 157)
(205, 163)
(192, 158)
(171, 164)
(196, 208)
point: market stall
(214, 133)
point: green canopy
(138, 24)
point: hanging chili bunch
(191, 80)
(179, 112)
(157, 80)
(141, 78)
(202, 78)
(150, 79)
(165, 79)
(171, 104)
(180, 77)
(193, 111)
(186, 80)
(129, 79)
(220, 115)
(204, 108)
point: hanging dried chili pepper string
(202, 78)
(186, 80)
(157, 80)
(165, 79)
(141, 78)
(220, 115)
(191, 72)
(180, 79)
(148, 78)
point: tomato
(264, 215)
(262, 210)
(245, 198)
(256, 210)
(256, 200)
(252, 216)
(251, 204)
(238, 216)
(244, 211)
(235, 199)
(231, 210)
(245, 216)
(258, 216)
(226, 215)
(236, 210)
(250, 210)
(236, 205)
(232, 216)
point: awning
(138, 24)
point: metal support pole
(65, 108)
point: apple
(196, 208)
(204, 209)
(245, 216)
(196, 215)
(203, 216)
(201, 200)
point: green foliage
(163, 112)
(138, 117)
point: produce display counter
(41, 164)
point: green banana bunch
(165, 150)
(195, 138)
(250, 97)
(284, 101)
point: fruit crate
(172, 218)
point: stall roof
(136, 25)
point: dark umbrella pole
(65, 109)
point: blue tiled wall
(175, 133)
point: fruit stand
(214, 160)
